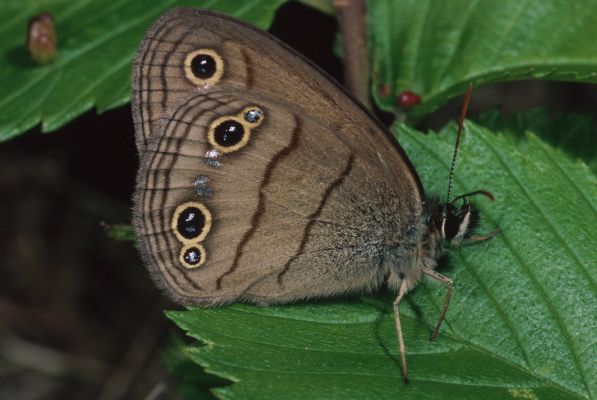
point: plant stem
(351, 17)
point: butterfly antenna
(467, 99)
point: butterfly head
(458, 223)
(455, 224)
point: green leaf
(571, 132)
(521, 323)
(191, 381)
(97, 41)
(435, 48)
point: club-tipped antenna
(467, 99)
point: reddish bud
(41, 38)
(408, 99)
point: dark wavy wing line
(261, 204)
(313, 217)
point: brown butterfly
(263, 181)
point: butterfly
(261, 180)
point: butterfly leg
(477, 238)
(448, 282)
(401, 293)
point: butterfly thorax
(440, 224)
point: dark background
(79, 317)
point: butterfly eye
(191, 222)
(192, 256)
(204, 67)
